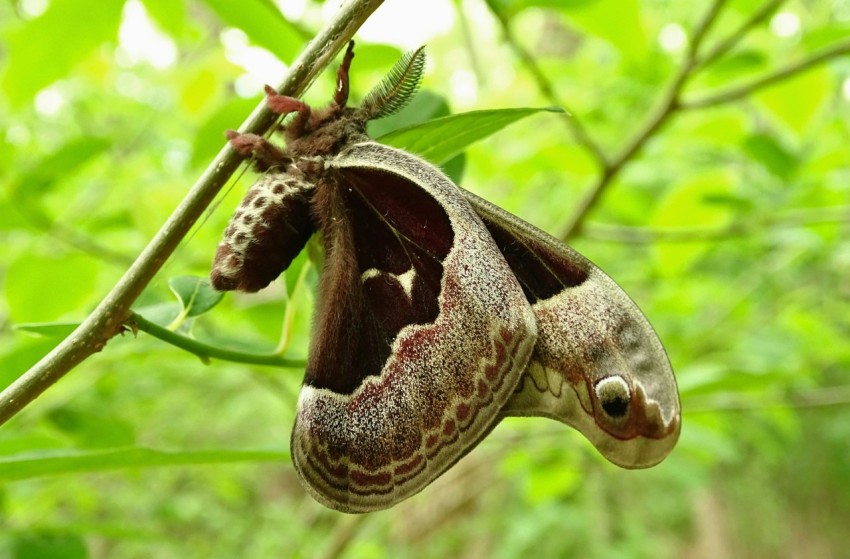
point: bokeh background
(728, 224)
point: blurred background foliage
(723, 209)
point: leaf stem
(206, 351)
(109, 317)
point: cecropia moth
(438, 313)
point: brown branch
(548, 91)
(748, 89)
(649, 235)
(659, 117)
(734, 38)
(109, 317)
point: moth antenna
(398, 87)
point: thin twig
(748, 89)
(659, 117)
(109, 317)
(734, 38)
(650, 235)
(548, 90)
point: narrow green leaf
(48, 329)
(54, 167)
(43, 544)
(624, 30)
(441, 139)
(510, 8)
(44, 288)
(766, 150)
(797, 101)
(210, 136)
(169, 14)
(92, 430)
(425, 106)
(692, 203)
(34, 61)
(263, 23)
(292, 275)
(77, 462)
(195, 294)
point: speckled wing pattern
(438, 313)
(421, 334)
(598, 364)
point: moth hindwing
(430, 300)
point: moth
(437, 314)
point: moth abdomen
(268, 230)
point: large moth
(438, 313)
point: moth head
(326, 130)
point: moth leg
(264, 153)
(283, 104)
(341, 96)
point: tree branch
(659, 117)
(110, 315)
(747, 89)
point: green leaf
(798, 100)
(454, 168)
(424, 106)
(44, 544)
(210, 136)
(48, 329)
(20, 353)
(292, 275)
(441, 139)
(168, 14)
(58, 165)
(767, 151)
(616, 21)
(36, 60)
(195, 294)
(76, 462)
(701, 200)
(91, 430)
(41, 288)
(263, 23)
(509, 8)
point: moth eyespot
(614, 396)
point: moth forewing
(458, 328)
(598, 365)
(426, 325)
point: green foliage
(728, 226)
(441, 139)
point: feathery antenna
(398, 87)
